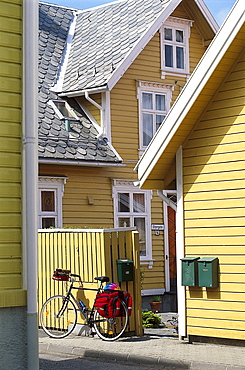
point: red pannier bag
(61, 275)
(108, 303)
(129, 302)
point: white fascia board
(64, 63)
(143, 41)
(208, 15)
(191, 91)
(68, 162)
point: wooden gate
(89, 253)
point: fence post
(137, 290)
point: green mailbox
(189, 271)
(125, 270)
(208, 272)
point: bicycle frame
(87, 314)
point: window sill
(147, 261)
(174, 73)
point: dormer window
(63, 110)
(175, 35)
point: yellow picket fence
(89, 253)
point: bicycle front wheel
(113, 327)
(58, 316)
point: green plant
(150, 320)
(156, 298)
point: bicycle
(58, 315)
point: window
(175, 35)
(63, 110)
(132, 208)
(50, 201)
(154, 103)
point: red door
(172, 249)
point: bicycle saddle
(103, 279)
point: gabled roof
(81, 144)
(108, 38)
(159, 157)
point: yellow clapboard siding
(211, 323)
(213, 149)
(9, 159)
(12, 145)
(222, 231)
(10, 235)
(216, 314)
(10, 99)
(11, 9)
(216, 241)
(214, 222)
(11, 204)
(13, 298)
(213, 249)
(10, 220)
(10, 250)
(217, 204)
(215, 294)
(7, 265)
(10, 70)
(10, 175)
(218, 140)
(231, 183)
(10, 190)
(12, 115)
(10, 84)
(219, 131)
(216, 305)
(10, 25)
(10, 281)
(217, 195)
(219, 177)
(218, 333)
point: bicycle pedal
(92, 333)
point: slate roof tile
(103, 37)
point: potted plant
(156, 303)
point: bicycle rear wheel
(58, 316)
(111, 328)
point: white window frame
(127, 186)
(73, 116)
(182, 25)
(55, 184)
(153, 88)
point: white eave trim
(208, 15)
(146, 37)
(140, 45)
(191, 91)
(79, 163)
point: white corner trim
(140, 45)
(64, 63)
(180, 243)
(191, 91)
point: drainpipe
(30, 175)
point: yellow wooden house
(201, 143)
(18, 184)
(108, 76)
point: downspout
(180, 245)
(30, 175)
(179, 240)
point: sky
(219, 8)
